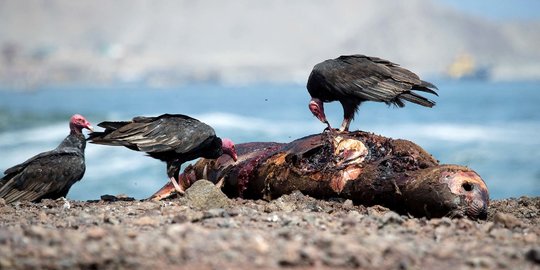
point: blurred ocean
(494, 128)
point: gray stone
(204, 195)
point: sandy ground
(294, 231)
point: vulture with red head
(173, 138)
(353, 79)
(48, 175)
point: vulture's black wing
(168, 132)
(367, 78)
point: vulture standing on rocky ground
(51, 174)
(173, 138)
(353, 79)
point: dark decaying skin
(173, 138)
(353, 79)
(366, 168)
(48, 175)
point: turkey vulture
(48, 175)
(173, 138)
(353, 79)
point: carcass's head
(78, 122)
(227, 146)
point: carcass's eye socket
(467, 186)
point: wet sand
(294, 231)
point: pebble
(227, 223)
(260, 244)
(214, 213)
(180, 219)
(507, 220)
(281, 204)
(533, 255)
(66, 205)
(131, 233)
(43, 218)
(531, 238)
(391, 218)
(377, 210)
(354, 216)
(480, 262)
(272, 218)
(445, 221)
(96, 233)
(36, 232)
(500, 233)
(291, 221)
(111, 220)
(176, 230)
(146, 221)
(348, 204)
(293, 256)
(5, 263)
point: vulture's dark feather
(48, 175)
(173, 138)
(353, 79)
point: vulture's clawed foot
(177, 187)
(221, 182)
(329, 130)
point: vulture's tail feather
(418, 99)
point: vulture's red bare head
(228, 148)
(317, 109)
(78, 122)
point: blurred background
(241, 66)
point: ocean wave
(519, 133)
(43, 134)
(277, 127)
(514, 132)
(250, 127)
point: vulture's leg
(173, 169)
(349, 108)
(345, 125)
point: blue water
(494, 128)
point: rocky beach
(206, 230)
(416, 197)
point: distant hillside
(239, 41)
